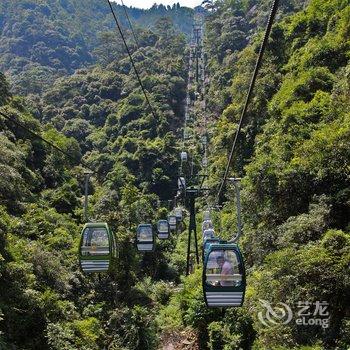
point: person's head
(220, 260)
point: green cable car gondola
(97, 247)
(224, 281)
(163, 229)
(145, 238)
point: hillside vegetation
(98, 115)
(293, 156)
(43, 40)
(72, 83)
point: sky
(148, 3)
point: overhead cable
(130, 24)
(131, 59)
(52, 145)
(272, 16)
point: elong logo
(282, 313)
(308, 314)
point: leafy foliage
(293, 158)
(42, 41)
(82, 95)
(97, 114)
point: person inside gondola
(226, 271)
(93, 239)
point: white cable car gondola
(172, 222)
(208, 234)
(183, 156)
(206, 215)
(179, 214)
(145, 238)
(163, 229)
(206, 225)
(186, 135)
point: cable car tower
(194, 182)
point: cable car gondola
(97, 247)
(206, 245)
(224, 281)
(178, 214)
(163, 229)
(145, 238)
(172, 222)
(206, 225)
(183, 156)
(209, 233)
(206, 215)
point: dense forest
(41, 41)
(66, 76)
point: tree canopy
(66, 76)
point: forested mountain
(98, 114)
(43, 40)
(79, 91)
(294, 157)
